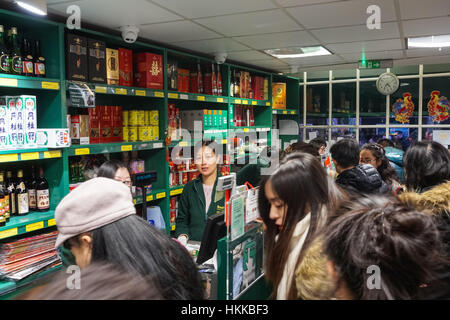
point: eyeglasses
(366, 160)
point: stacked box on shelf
(140, 125)
(243, 116)
(174, 127)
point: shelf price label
(51, 222)
(173, 227)
(219, 99)
(100, 89)
(254, 103)
(224, 141)
(176, 192)
(120, 91)
(267, 103)
(184, 144)
(160, 195)
(237, 101)
(29, 156)
(8, 233)
(82, 151)
(184, 96)
(9, 157)
(127, 147)
(201, 98)
(285, 112)
(52, 154)
(246, 129)
(157, 145)
(34, 226)
(292, 112)
(159, 94)
(50, 85)
(150, 198)
(140, 93)
(134, 201)
(8, 82)
(244, 101)
(173, 95)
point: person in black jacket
(352, 177)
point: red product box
(117, 124)
(207, 82)
(193, 175)
(106, 124)
(125, 67)
(193, 83)
(148, 70)
(183, 80)
(94, 124)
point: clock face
(387, 83)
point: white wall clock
(387, 83)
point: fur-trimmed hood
(434, 201)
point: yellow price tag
(52, 154)
(267, 103)
(176, 192)
(292, 112)
(34, 226)
(8, 82)
(120, 91)
(246, 129)
(184, 144)
(8, 233)
(9, 157)
(82, 151)
(134, 201)
(29, 156)
(201, 98)
(50, 85)
(141, 93)
(224, 141)
(160, 195)
(254, 103)
(219, 99)
(173, 227)
(159, 94)
(238, 101)
(127, 147)
(173, 95)
(284, 112)
(51, 222)
(244, 101)
(150, 198)
(100, 89)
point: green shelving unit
(53, 107)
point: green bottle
(4, 54)
(16, 54)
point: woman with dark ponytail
(374, 154)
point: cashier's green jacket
(191, 218)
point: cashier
(199, 200)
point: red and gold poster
(438, 107)
(403, 108)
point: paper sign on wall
(251, 206)
(237, 218)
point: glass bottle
(219, 82)
(5, 192)
(28, 60)
(16, 54)
(4, 54)
(11, 189)
(21, 194)
(2, 202)
(39, 60)
(42, 192)
(199, 78)
(31, 186)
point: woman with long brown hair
(294, 203)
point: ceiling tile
(293, 3)
(248, 56)
(213, 45)
(416, 9)
(176, 31)
(271, 64)
(424, 52)
(426, 27)
(310, 61)
(130, 12)
(343, 13)
(394, 54)
(366, 46)
(251, 23)
(278, 40)
(204, 8)
(389, 30)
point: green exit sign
(375, 64)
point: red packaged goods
(219, 82)
(193, 81)
(252, 117)
(207, 82)
(226, 159)
(183, 80)
(106, 118)
(193, 175)
(117, 124)
(125, 67)
(148, 70)
(184, 178)
(173, 215)
(173, 203)
(94, 125)
(225, 170)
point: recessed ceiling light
(429, 42)
(298, 52)
(35, 6)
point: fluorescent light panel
(429, 42)
(298, 52)
(35, 6)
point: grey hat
(95, 203)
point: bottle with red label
(199, 79)
(213, 80)
(42, 192)
(28, 60)
(219, 82)
(32, 198)
(39, 61)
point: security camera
(129, 33)
(220, 57)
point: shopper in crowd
(251, 172)
(395, 157)
(301, 147)
(427, 178)
(198, 200)
(115, 169)
(353, 177)
(294, 203)
(380, 249)
(374, 154)
(98, 281)
(319, 144)
(97, 223)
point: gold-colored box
(112, 66)
(279, 95)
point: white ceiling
(242, 28)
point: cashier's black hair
(109, 169)
(137, 246)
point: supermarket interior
(142, 84)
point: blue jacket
(395, 157)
